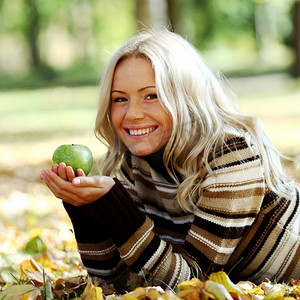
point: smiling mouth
(143, 131)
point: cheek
(115, 118)
(168, 125)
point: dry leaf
(168, 295)
(222, 278)
(193, 283)
(92, 292)
(218, 290)
(20, 292)
(273, 289)
(67, 287)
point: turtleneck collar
(156, 162)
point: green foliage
(209, 20)
(55, 35)
(35, 246)
(69, 42)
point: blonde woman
(188, 185)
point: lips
(140, 131)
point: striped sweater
(237, 223)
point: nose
(134, 111)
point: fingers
(61, 188)
(70, 173)
(81, 191)
(105, 183)
(80, 172)
(64, 172)
(54, 168)
(61, 171)
(82, 181)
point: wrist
(107, 183)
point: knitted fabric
(139, 225)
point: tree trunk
(173, 11)
(296, 37)
(32, 31)
(152, 14)
(143, 17)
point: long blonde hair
(200, 110)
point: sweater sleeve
(97, 249)
(230, 202)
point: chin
(141, 152)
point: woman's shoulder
(234, 147)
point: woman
(188, 183)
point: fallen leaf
(67, 287)
(35, 245)
(222, 278)
(20, 292)
(193, 283)
(273, 289)
(257, 291)
(218, 290)
(92, 292)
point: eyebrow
(139, 90)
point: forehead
(134, 70)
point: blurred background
(52, 54)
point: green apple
(75, 155)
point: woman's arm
(97, 249)
(138, 244)
(231, 200)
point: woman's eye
(151, 97)
(119, 99)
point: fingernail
(76, 181)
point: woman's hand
(66, 172)
(79, 190)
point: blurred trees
(152, 14)
(55, 35)
(32, 29)
(296, 37)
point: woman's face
(137, 115)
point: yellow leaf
(184, 285)
(297, 290)
(222, 278)
(184, 293)
(153, 294)
(92, 292)
(168, 295)
(128, 297)
(256, 291)
(28, 266)
(218, 290)
(138, 292)
(20, 292)
(36, 231)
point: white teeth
(141, 131)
